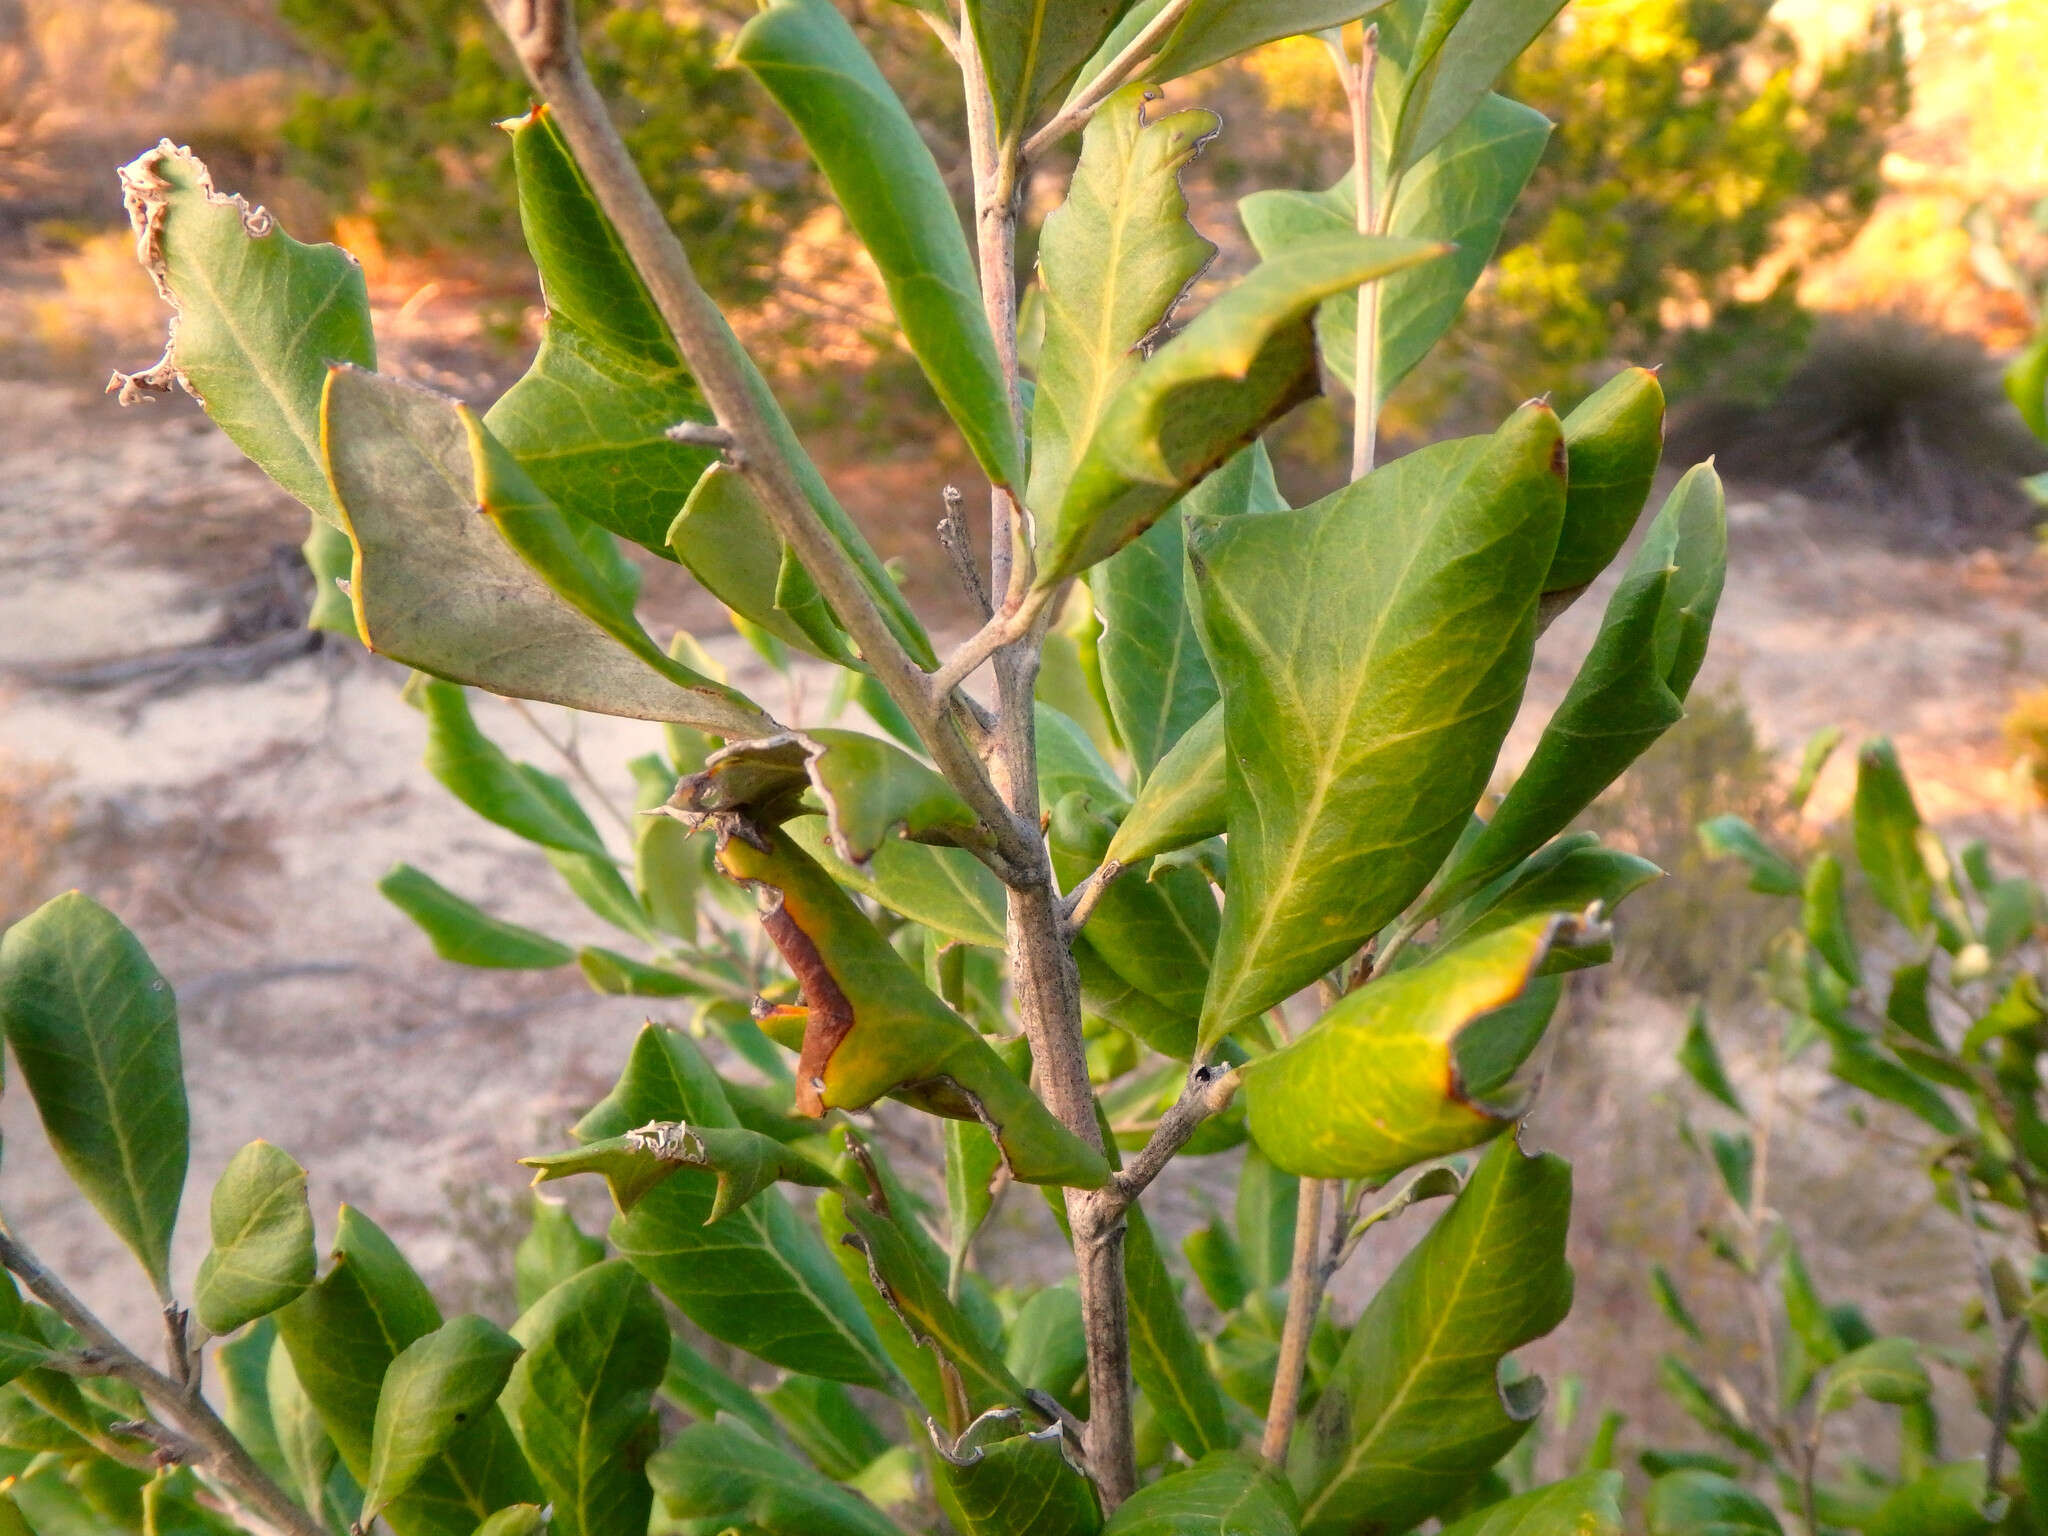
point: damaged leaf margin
(867, 789)
(1383, 1071)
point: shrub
(1925, 1005)
(971, 914)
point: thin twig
(960, 550)
(1209, 1090)
(542, 34)
(2002, 1406)
(1114, 74)
(1003, 629)
(215, 1448)
(1079, 904)
(1304, 1301)
(573, 760)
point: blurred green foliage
(403, 135)
(1697, 166)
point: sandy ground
(239, 827)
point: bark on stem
(1042, 975)
(542, 33)
(1304, 1301)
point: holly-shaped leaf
(1235, 368)
(745, 1163)
(1372, 651)
(1113, 260)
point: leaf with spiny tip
(744, 1163)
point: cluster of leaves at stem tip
(1230, 893)
(1914, 975)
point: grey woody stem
(1042, 975)
(1208, 1092)
(1304, 1301)
(543, 35)
(198, 1433)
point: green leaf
(1114, 259)
(1951, 1500)
(1630, 689)
(760, 1279)
(1701, 1059)
(1827, 921)
(1006, 1478)
(580, 1399)
(302, 1440)
(745, 1162)
(870, 790)
(1166, 1353)
(1211, 31)
(827, 1425)
(1461, 193)
(1375, 1086)
(1566, 876)
(723, 535)
(1887, 823)
(588, 418)
(873, 1028)
(553, 1249)
(2026, 383)
(435, 1387)
(1225, 1494)
(410, 469)
(1671, 1304)
(262, 1253)
(915, 1294)
(1461, 48)
(1153, 670)
(1047, 1348)
(329, 556)
(1885, 1370)
(1185, 798)
(260, 316)
(343, 1334)
(698, 1387)
(946, 889)
(1415, 1410)
(973, 1160)
(1770, 873)
(1613, 441)
(1157, 934)
(94, 1029)
(1264, 1216)
(1236, 367)
(1701, 1503)
(474, 769)
(726, 1477)
(885, 179)
(1030, 48)
(516, 1520)
(1589, 1505)
(1363, 706)
(1685, 1388)
(466, 934)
